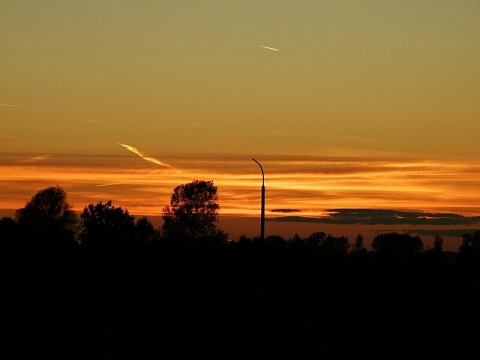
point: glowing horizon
(351, 104)
(310, 186)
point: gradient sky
(348, 104)
(190, 76)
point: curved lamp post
(262, 218)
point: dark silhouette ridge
(125, 289)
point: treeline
(47, 245)
(109, 267)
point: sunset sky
(347, 104)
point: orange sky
(355, 104)
(143, 183)
(308, 187)
(188, 76)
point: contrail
(110, 184)
(10, 105)
(35, 159)
(268, 47)
(144, 156)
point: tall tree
(106, 227)
(193, 212)
(438, 244)
(358, 245)
(469, 250)
(145, 231)
(48, 215)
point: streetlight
(262, 218)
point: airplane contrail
(144, 156)
(35, 159)
(268, 47)
(110, 184)
(10, 105)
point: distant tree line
(107, 249)
(105, 264)
(47, 220)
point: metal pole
(262, 217)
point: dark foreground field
(238, 303)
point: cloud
(36, 159)
(285, 210)
(383, 217)
(109, 184)
(144, 156)
(10, 105)
(268, 48)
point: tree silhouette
(470, 243)
(335, 245)
(8, 228)
(8, 235)
(438, 244)
(106, 227)
(193, 212)
(397, 244)
(469, 250)
(316, 239)
(48, 217)
(319, 287)
(145, 231)
(358, 245)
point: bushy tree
(8, 227)
(316, 239)
(48, 217)
(397, 244)
(470, 243)
(193, 212)
(145, 231)
(106, 227)
(328, 244)
(8, 234)
(335, 246)
(469, 250)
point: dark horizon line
(360, 216)
(346, 216)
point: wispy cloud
(310, 184)
(36, 159)
(10, 105)
(268, 48)
(145, 156)
(110, 184)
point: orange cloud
(310, 185)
